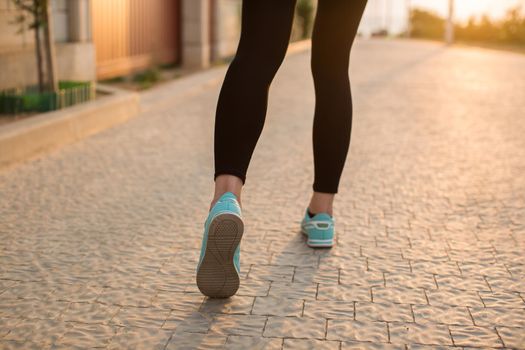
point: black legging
(241, 109)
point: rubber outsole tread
(217, 276)
(313, 245)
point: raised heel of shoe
(217, 276)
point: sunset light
(393, 14)
(262, 174)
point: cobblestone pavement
(100, 239)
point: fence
(130, 35)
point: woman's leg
(335, 28)
(241, 108)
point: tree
(424, 24)
(513, 27)
(507, 30)
(50, 45)
(36, 15)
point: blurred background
(480, 22)
(136, 44)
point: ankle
(227, 183)
(312, 212)
(321, 203)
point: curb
(29, 137)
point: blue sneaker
(319, 230)
(219, 263)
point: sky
(393, 13)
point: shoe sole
(217, 276)
(318, 243)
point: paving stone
(453, 298)
(410, 280)
(512, 337)
(11, 344)
(191, 289)
(347, 330)
(250, 325)
(89, 313)
(399, 239)
(234, 305)
(347, 261)
(6, 284)
(291, 259)
(76, 293)
(23, 274)
(254, 288)
(29, 290)
(385, 265)
(399, 295)
(295, 327)
(342, 255)
(428, 334)
(353, 345)
(476, 269)
(151, 317)
(32, 308)
(365, 311)
(430, 254)
(452, 315)
(435, 267)
(375, 252)
(112, 279)
(275, 306)
(484, 256)
(475, 336)
(517, 269)
(325, 274)
(189, 341)
(242, 342)
(462, 282)
(344, 292)
(310, 344)
(255, 251)
(138, 297)
(498, 316)
(119, 220)
(44, 332)
(430, 347)
(280, 246)
(271, 273)
(88, 336)
(8, 323)
(164, 281)
(329, 309)
(178, 301)
(295, 290)
(504, 284)
(183, 274)
(188, 321)
(502, 299)
(140, 338)
(361, 277)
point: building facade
(99, 39)
(75, 50)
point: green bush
(30, 99)
(148, 77)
